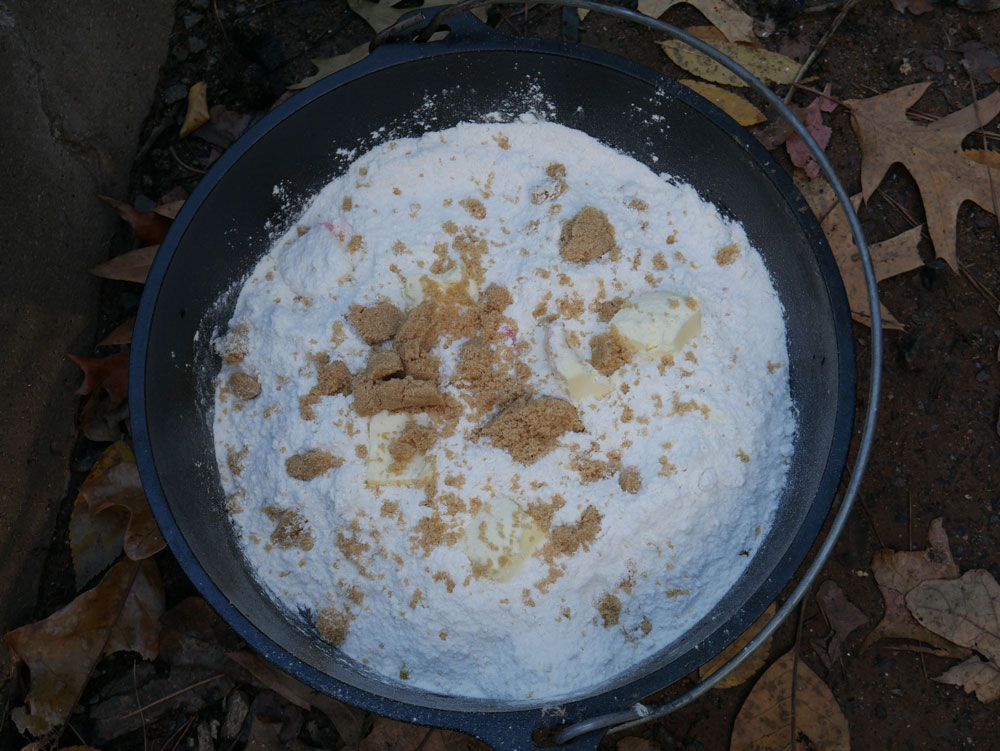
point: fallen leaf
(120, 486)
(194, 635)
(964, 611)
(975, 675)
(327, 65)
(843, 616)
(983, 156)
(898, 572)
(753, 662)
(931, 153)
(980, 59)
(121, 613)
(582, 13)
(197, 109)
(381, 14)
(766, 65)
(99, 422)
(726, 16)
(147, 226)
(95, 540)
(132, 266)
(348, 721)
(109, 373)
(818, 194)
(891, 257)
(812, 117)
(120, 334)
(729, 102)
(916, 7)
(764, 720)
(170, 210)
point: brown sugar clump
(311, 464)
(414, 339)
(382, 364)
(235, 345)
(630, 480)
(566, 539)
(727, 254)
(333, 625)
(556, 171)
(610, 608)
(607, 309)
(245, 386)
(292, 530)
(660, 263)
(586, 236)
(415, 439)
(474, 206)
(376, 323)
(529, 428)
(332, 378)
(395, 395)
(609, 352)
(591, 470)
(235, 460)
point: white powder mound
(492, 568)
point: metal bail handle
(639, 713)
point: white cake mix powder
(513, 524)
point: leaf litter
(843, 618)
(729, 102)
(812, 117)
(149, 227)
(766, 65)
(725, 15)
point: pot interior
(237, 210)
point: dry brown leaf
(120, 486)
(891, 257)
(764, 720)
(766, 65)
(171, 209)
(95, 540)
(197, 109)
(898, 572)
(725, 15)
(348, 721)
(327, 65)
(109, 373)
(729, 102)
(753, 662)
(121, 613)
(932, 153)
(975, 675)
(147, 226)
(132, 266)
(121, 334)
(818, 194)
(843, 616)
(964, 611)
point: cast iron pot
(404, 89)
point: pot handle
(513, 732)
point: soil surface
(937, 443)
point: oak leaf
(766, 65)
(197, 109)
(764, 720)
(121, 334)
(932, 153)
(148, 226)
(975, 675)
(109, 373)
(897, 573)
(729, 102)
(965, 611)
(843, 616)
(120, 486)
(95, 540)
(751, 664)
(132, 266)
(120, 614)
(99, 422)
(725, 15)
(891, 257)
(812, 118)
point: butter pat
(581, 378)
(658, 320)
(500, 538)
(380, 467)
(415, 285)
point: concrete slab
(78, 80)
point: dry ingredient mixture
(505, 412)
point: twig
(186, 729)
(171, 696)
(77, 734)
(135, 688)
(817, 92)
(175, 733)
(795, 670)
(158, 131)
(979, 121)
(218, 20)
(184, 164)
(812, 57)
(824, 7)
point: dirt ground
(937, 445)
